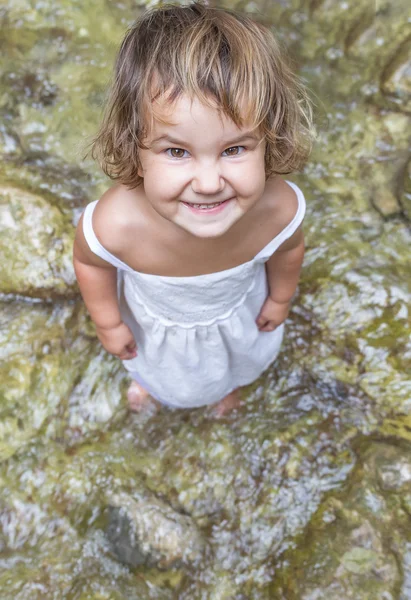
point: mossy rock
(36, 244)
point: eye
(233, 151)
(176, 152)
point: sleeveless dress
(197, 339)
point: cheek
(252, 180)
(161, 184)
(157, 178)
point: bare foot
(139, 399)
(227, 404)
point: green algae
(400, 427)
(38, 264)
(353, 543)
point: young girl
(188, 265)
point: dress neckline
(268, 249)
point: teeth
(205, 206)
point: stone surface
(406, 195)
(353, 540)
(305, 493)
(146, 531)
(36, 245)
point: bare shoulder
(282, 205)
(281, 201)
(117, 218)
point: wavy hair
(224, 59)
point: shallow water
(305, 494)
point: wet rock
(27, 528)
(42, 353)
(60, 184)
(386, 202)
(94, 401)
(146, 531)
(9, 144)
(405, 593)
(396, 475)
(350, 552)
(36, 244)
(406, 195)
(391, 156)
(359, 560)
(34, 88)
(265, 485)
(396, 77)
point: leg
(139, 399)
(227, 404)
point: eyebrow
(248, 135)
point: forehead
(191, 117)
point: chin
(204, 229)
(207, 231)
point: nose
(207, 180)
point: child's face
(202, 173)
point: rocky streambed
(305, 494)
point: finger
(127, 355)
(261, 321)
(269, 326)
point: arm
(97, 281)
(283, 272)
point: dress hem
(134, 375)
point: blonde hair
(224, 59)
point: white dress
(196, 336)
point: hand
(118, 340)
(272, 314)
